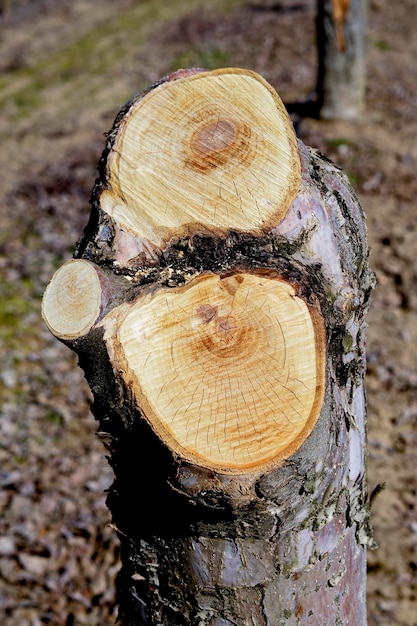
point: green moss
(347, 343)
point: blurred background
(66, 67)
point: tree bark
(218, 297)
(341, 36)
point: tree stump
(216, 301)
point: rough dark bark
(284, 544)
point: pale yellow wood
(72, 300)
(229, 371)
(213, 151)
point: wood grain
(229, 371)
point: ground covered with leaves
(66, 67)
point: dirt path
(65, 69)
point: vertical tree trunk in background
(341, 39)
(217, 304)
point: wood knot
(226, 328)
(206, 312)
(223, 330)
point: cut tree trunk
(216, 302)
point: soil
(66, 67)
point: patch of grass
(54, 417)
(14, 303)
(27, 101)
(209, 59)
(18, 460)
(354, 179)
(17, 306)
(97, 52)
(381, 44)
(336, 142)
